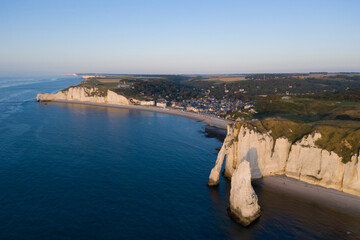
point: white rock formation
(314, 165)
(351, 180)
(86, 95)
(244, 207)
(302, 160)
(226, 148)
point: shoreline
(318, 195)
(209, 120)
(326, 197)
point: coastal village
(232, 97)
(222, 96)
(204, 105)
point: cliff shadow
(253, 158)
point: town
(233, 97)
(205, 105)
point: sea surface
(70, 171)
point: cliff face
(301, 158)
(244, 207)
(85, 94)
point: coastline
(330, 198)
(210, 121)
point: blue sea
(70, 171)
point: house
(147, 103)
(123, 86)
(161, 104)
(248, 106)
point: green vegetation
(156, 89)
(240, 115)
(351, 95)
(269, 84)
(339, 137)
(293, 131)
(343, 140)
(144, 87)
(100, 91)
(306, 109)
(244, 87)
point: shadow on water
(214, 132)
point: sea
(72, 171)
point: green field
(307, 109)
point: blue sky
(179, 36)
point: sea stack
(314, 153)
(244, 207)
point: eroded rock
(244, 207)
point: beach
(209, 120)
(325, 197)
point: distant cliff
(86, 94)
(325, 155)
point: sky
(178, 36)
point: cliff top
(344, 105)
(337, 136)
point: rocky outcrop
(244, 207)
(311, 164)
(85, 94)
(299, 157)
(226, 149)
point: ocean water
(71, 171)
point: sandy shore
(209, 120)
(334, 199)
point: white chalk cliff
(302, 159)
(85, 94)
(244, 207)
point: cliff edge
(325, 155)
(86, 94)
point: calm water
(82, 172)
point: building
(247, 106)
(147, 103)
(123, 86)
(161, 104)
